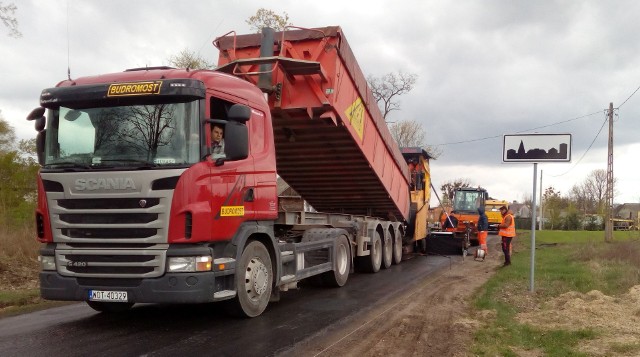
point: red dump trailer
(332, 144)
(136, 206)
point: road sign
(536, 148)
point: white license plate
(101, 295)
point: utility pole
(541, 209)
(608, 224)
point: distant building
(520, 210)
(627, 211)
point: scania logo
(142, 203)
(116, 183)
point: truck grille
(108, 233)
(112, 263)
(108, 203)
(111, 220)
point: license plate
(102, 295)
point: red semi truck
(133, 208)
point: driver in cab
(217, 141)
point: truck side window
(224, 137)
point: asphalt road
(178, 330)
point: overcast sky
(485, 68)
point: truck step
(287, 256)
(224, 294)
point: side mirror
(40, 124)
(40, 141)
(38, 115)
(236, 142)
(239, 113)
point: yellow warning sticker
(232, 211)
(355, 113)
(136, 88)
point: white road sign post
(535, 148)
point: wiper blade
(68, 165)
(145, 164)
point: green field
(565, 261)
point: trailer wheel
(397, 250)
(254, 280)
(342, 266)
(387, 251)
(371, 263)
(110, 307)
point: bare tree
(268, 18)
(595, 188)
(389, 87)
(189, 59)
(449, 187)
(154, 124)
(8, 19)
(579, 197)
(410, 133)
(407, 133)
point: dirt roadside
(433, 319)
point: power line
(539, 127)
(634, 92)
(585, 153)
(522, 131)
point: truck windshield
(135, 135)
(467, 201)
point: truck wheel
(387, 251)
(254, 280)
(397, 250)
(371, 263)
(110, 307)
(342, 265)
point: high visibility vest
(509, 231)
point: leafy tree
(8, 19)
(18, 169)
(572, 219)
(268, 18)
(189, 59)
(389, 87)
(7, 135)
(554, 204)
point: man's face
(503, 212)
(216, 134)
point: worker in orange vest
(507, 232)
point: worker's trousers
(506, 249)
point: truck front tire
(254, 280)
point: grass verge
(565, 262)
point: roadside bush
(593, 223)
(572, 220)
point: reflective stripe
(509, 231)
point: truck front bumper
(170, 288)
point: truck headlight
(189, 264)
(47, 262)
